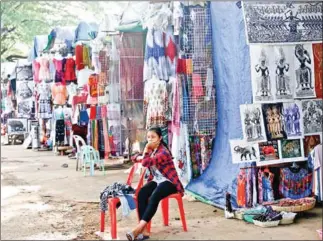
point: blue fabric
(84, 29)
(40, 42)
(84, 118)
(231, 66)
(268, 194)
(127, 204)
(131, 202)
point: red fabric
(181, 66)
(36, 67)
(318, 68)
(92, 112)
(164, 163)
(170, 50)
(80, 131)
(79, 57)
(69, 74)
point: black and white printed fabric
(114, 190)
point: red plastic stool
(165, 211)
(112, 204)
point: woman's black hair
(159, 132)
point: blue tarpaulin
(40, 42)
(233, 85)
(84, 29)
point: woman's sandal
(142, 237)
(130, 236)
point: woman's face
(153, 138)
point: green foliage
(21, 21)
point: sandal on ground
(142, 237)
(130, 236)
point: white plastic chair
(78, 140)
(91, 156)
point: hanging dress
(36, 67)
(59, 74)
(267, 182)
(44, 74)
(45, 109)
(69, 68)
(79, 57)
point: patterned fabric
(295, 185)
(155, 103)
(260, 190)
(267, 189)
(163, 161)
(114, 190)
(94, 89)
(181, 153)
(170, 51)
(155, 61)
(45, 109)
(104, 61)
(318, 68)
(59, 131)
(196, 156)
(206, 151)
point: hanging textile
(79, 57)
(58, 131)
(44, 74)
(155, 103)
(265, 186)
(241, 189)
(69, 70)
(155, 61)
(45, 108)
(59, 94)
(36, 68)
(59, 75)
(182, 155)
(104, 114)
(295, 184)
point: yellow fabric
(86, 56)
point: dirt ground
(42, 200)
